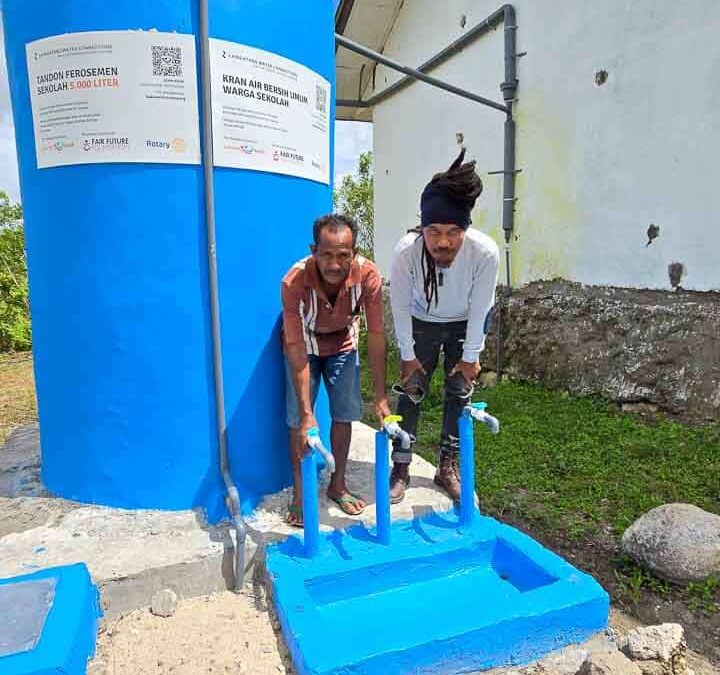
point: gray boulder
(677, 542)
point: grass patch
(579, 465)
(576, 466)
(17, 392)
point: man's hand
(307, 422)
(407, 368)
(382, 410)
(470, 371)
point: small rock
(164, 603)
(609, 663)
(660, 650)
(654, 643)
(677, 542)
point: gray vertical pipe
(233, 496)
(509, 90)
(509, 178)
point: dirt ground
(226, 633)
(17, 392)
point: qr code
(167, 61)
(320, 98)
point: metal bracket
(499, 173)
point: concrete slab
(133, 554)
(50, 622)
(421, 497)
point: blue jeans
(341, 374)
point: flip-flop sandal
(296, 511)
(348, 499)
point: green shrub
(14, 304)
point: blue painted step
(48, 622)
(437, 600)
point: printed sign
(114, 96)
(269, 113)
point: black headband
(437, 205)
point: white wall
(599, 163)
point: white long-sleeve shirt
(467, 291)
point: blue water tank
(119, 290)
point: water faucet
(314, 443)
(393, 429)
(477, 412)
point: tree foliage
(14, 305)
(354, 198)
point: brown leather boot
(448, 476)
(399, 482)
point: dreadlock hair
(448, 198)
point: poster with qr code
(269, 113)
(114, 96)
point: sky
(351, 139)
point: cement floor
(133, 554)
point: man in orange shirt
(323, 297)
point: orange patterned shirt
(326, 328)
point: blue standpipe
(474, 411)
(467, 469)
(311, 508)
(391, 429)
(382, 486)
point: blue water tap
(473, 411)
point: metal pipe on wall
(505, 15)
(414, 74)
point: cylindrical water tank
(119, 290)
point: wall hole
(601, 77)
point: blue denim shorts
(341, 374)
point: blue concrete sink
(439, 599)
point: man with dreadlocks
(442, 290)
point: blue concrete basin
(48, 622)
(439, 599)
